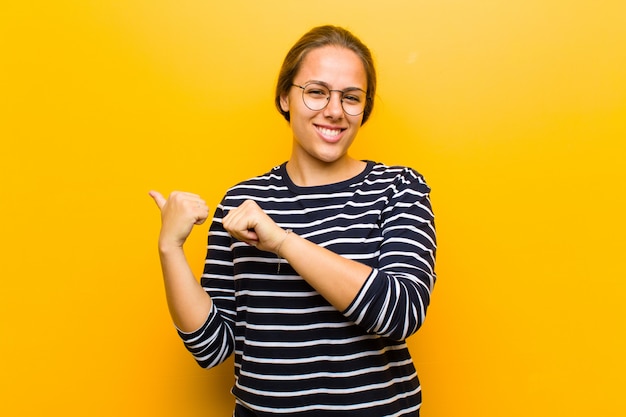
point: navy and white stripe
(295, 354)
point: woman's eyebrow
(325, 84)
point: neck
(323, 173)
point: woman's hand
(250, 224)
(187, 301)
(179, 213)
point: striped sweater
(295, 354)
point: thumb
(158, 198)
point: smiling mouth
(329, 133)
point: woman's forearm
(336, 278)
(188, 303)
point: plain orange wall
(515, 112)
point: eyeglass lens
(317, 96)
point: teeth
(329, 132)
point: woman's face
(324, 135)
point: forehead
(336, 66)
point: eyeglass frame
(322, 84)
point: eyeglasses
(317, 96)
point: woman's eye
(319, 93)
(352, 99)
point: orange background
(515, 112)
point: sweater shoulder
(270, 180)
(399, 176)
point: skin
(321, 140)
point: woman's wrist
(279, 247)
(280, 244)
(168, 247)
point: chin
(331, 159)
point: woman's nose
(334, 107)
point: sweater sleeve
(393, 301)
(214, 341)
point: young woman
(318, 270)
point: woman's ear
(284, 102)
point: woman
(318, 270)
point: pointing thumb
(158, 198)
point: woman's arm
(188, 303)
(390, 300)
(394, 300)
(336, 278)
